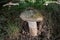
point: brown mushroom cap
(31, 15)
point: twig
(10, 4)
(48, 2)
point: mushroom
(32, 17)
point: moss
(37, 15)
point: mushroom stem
(32, 28)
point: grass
(13, 30)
